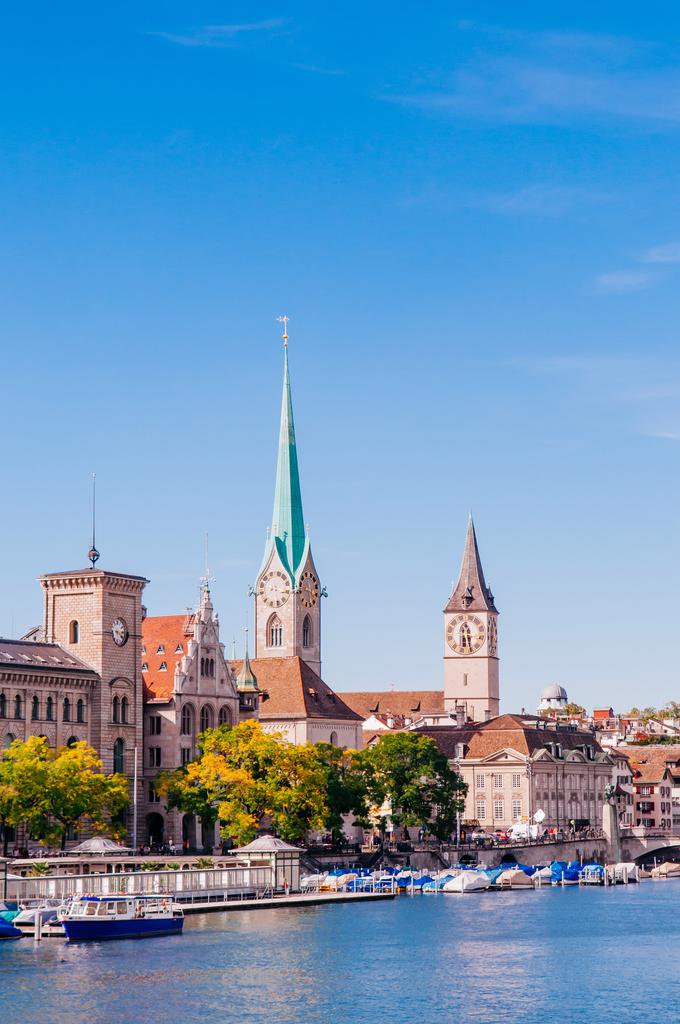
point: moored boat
(467, 881)
(120, 917)
(8, 931)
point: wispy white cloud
(314, 69)
(219, 35)
(618, 282)
(550, 77)
(539, 199)
(643, 391)
(669, 253)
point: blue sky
(470, 213)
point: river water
(574, 955)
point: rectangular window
(155, 725)
(481, 810)
(498, 809)
(516, 810)
(517, 781)
(645, 790)
(155, 757)
(480, 781)
(186, 755)
(153, 795)
(498, 781)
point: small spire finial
(284, 320)
(206, 579)
(93, 554)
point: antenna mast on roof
(93, 554)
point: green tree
(52, 791)
(249, 777)
(346, 791)
(410, 771)
(575, 710)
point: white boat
(47, 912)
(467, 881)
(669, 869)
(514, 878)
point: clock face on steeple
(274, 588)
(465, 634)
(309, 589)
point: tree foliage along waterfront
(51, 791)
(245, 776)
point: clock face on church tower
(465, 634)
(274, 588)
(309, 589)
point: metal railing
(209, 885)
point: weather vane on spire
(284, 320)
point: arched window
(333, 739)
(71, 741)
(465, 637)
(202, 666)
(116, 709)
(18, 707)
(187, 726)
(307, 632)
(274, 632)
(8, 740)
(66, 714)
(206, 717)
(35, 709)
(225, 715)
(118, 751)
(80, 710)
(124, 710)
(49, 709)
(73, 632)
(3, 706)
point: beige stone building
(77, 676)
(515, 765)
(188, 688)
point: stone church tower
(470, 641)
(287, 592)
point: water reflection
(511, 957)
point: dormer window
(161, 649)
(145, 666)
(143, 648)
(179, 649)
(163, 666)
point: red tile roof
(524, 733)
(603, 713)
(407, 703)
(649, 763)
(295, 691)
(168, 632)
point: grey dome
(554, 692)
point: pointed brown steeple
(471, 593)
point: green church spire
(288, 525)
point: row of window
(498, 810)
(206, 719)
(161, 649)
(275, 632)
(8, 739)
(67, 709)
(497, 780)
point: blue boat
(87, 918)
(8, 931)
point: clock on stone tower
(97, 614)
